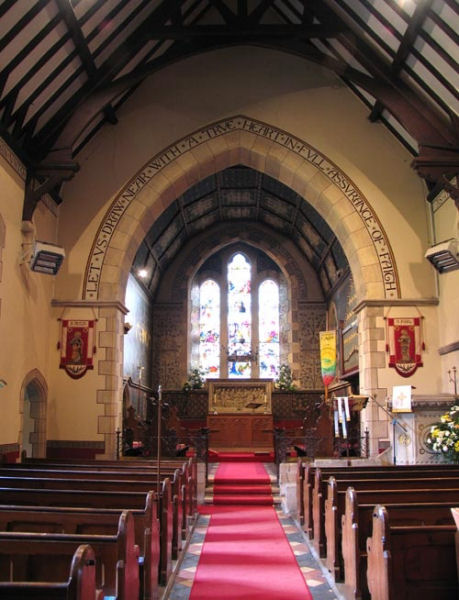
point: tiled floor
(310, 567)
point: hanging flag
(77, 347)
(328, 356)
(404, 344)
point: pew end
(81, 584)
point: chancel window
(239, 317)
(209, 328)
(239, 322)
(268, 326)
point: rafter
(411, 33)
(295, 26)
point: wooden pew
(185, 488)
(45, 557)
(95, 521)
(335, 506)
(408, 561)
(357, 524)
(102, 499)
(80, 585)
(190, 464)
(392, 480)
(314, 475)
(106, 480)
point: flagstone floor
(320, 587)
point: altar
(240, 414)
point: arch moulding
(241, 140)
(38, 410)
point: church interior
(229, 232)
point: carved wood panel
(240, 431)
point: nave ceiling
(240, 195)
(67, 66)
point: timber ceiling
(67, 66)
(240, 195)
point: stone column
(110, 343)
(371, 327)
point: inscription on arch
(284, 139)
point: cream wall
(445, 225)
(284, 91)
(280, 90)
(25, 315)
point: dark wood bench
(316, 478)
(46, 557)
(107, 480)
(411, 561)
(356, 526)
(102, 499)
(80, 585)
(335, 506)
(95, 521)
(184, 484)
(391, 480)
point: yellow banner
(328, 356)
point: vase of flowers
(443, 436)
(285, 379)
(195, 380)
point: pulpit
(240, 415)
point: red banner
(405, 345)
(77, 347)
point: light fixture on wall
(444, 256)
(46, 258)
(2, 383)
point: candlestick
(343, 425)
(346, 408)
(336, 424)
(340, 409)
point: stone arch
(232, 141)
(241, 140)
(34, 394)
(260, 237)
(300, 295)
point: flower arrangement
(285, 379)
(444, 436)
(195, 380)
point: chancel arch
(240, 140)
(156, 194)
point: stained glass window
(209, 328)
(268, 328)
(225, 316)
(239, 317)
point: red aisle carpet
(220, 457)
(242, 483)
(246, 555)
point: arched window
(239, 317)
(268, 328)
(209, 328)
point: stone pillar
(372, 357)
(110, 329)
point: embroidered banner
(404, 345)
(328, 356)
(77, 347)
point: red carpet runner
(246, 555)
(242, 483)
